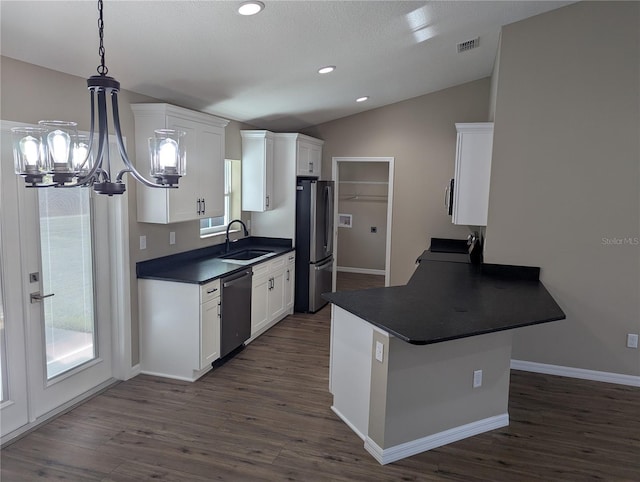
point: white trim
(348, 269)
(562, 371)
(134, 371)
(350, 425)
(407, 449)
(335, 177)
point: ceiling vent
(468, 44)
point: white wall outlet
(477, 378)
(143, 242)
(172, 237)
(632, 340)
(379, 351)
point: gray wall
(565, 178)
(420, 133)
(30, 93)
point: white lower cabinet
(271, 291)
(179, 328)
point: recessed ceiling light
(250, 8)
(363, 98)
(327, 69)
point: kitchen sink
(246, 255)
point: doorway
(363, 215)
(64, 300)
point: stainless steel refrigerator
(314, 243)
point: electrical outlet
(379, 351)
(477, 378)
(632, 340)
(172, 237)
(143, 242)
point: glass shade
(29, 150)
(168, 156)
(82, 156)
(61, 137)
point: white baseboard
(407, 449)
(571, 372)
(347, 269)
(349, 424)
(133, 372)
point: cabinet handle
(267, 201)
(287, 275)
(270, 284)
(198, 206)
(218, 309)
(212, 291)
(204, 207)
(311, 167)
(291, 258)
(446, 197)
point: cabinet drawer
(209, 291)
(277, 263)
(260, 269)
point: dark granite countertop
(203, 265)
(449, 299)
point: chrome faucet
(246, 232)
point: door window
(67, 275)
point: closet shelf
(382, 183)
(364, 197)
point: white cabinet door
(257, 171)
(277, 294)
(308, 156)
(315, 160)
(182, 204)
(209, 332)
(472, 173)
(210, 171)
(260, 297)
(289, 279)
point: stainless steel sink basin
(246, 255)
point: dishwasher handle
(240, 278)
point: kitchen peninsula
(419, 366)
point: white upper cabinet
(200, 192)
(308, 156)
(257, 171)
(472, 173)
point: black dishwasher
(235, 324)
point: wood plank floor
(265, 415)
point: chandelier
(55, 154)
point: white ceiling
(263, 69)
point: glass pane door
(67, 278)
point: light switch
(172, 237)
(143, 242)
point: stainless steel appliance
(235, 299)
(314, 243)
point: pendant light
(54, 154)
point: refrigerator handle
(328, 216)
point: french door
(56, 289)
(68, 331)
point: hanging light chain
(102, 68)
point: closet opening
(362, 212)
